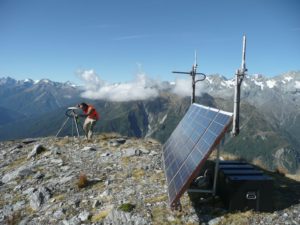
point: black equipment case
(243, 187)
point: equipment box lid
(236, 166)
(228, 172)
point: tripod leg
(62, 126)
(81, 126)
(76, 126)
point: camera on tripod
(73, 115)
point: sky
(117, 40)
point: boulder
(36, 150)
(39, 197)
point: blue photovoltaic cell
(190, 144)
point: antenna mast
(193, 74)
(239, 76)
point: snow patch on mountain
(209, 80)
(163, 119)
(230, 83)
(288, 78)
(28, 81)
(271, 83)
(259, 83)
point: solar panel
(190, 144)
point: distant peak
(69, 83)
(28, 80)
(7, 80)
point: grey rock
(64, 180)
(117, 217)
(58, 162)
(59, 214)
(73, 221)
(28, 191)
(19, 205)
(18, 146)
(117, 142)
(38, 176)
(36, 150)
(39, 197)
(84, 216)
(96, 203)
(128, 152)
(77, 203)
(153, 153)
(25, 172)
(28, 141)
(121, 140)
(56, 151)
(105, 154)
(8, 210)
(19, 172)
(9, 176)
(215, 221)
(144, 151)
(114, 144)
(24, 221)
(88, 148)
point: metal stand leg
(62, 126)
(216, 170)
(76, 125)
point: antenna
(193, 74)
(239, 76)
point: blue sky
(118, 39)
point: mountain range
(270, 114)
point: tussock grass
(107, 136)
(14, 219)
(15, 164)
(100, 216)
(125, 160)
(241, 218)
(159, 198)
(59, 197)
(160, 217)
(63, 142)
(126, 207)
(137, 174)
(259, 163)
(82, 181)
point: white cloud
(139, 89)
(183, 87)
(297, 84)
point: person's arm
(90, 110)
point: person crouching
(92, 117)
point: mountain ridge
(269, 113)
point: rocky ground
(111, 180)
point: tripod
(71, 114)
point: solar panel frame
(197, 135)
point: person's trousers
(88, 127)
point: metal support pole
(216, 170)
(214, 189)
(194, 89)
(239, 76)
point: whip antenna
(193, 74)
